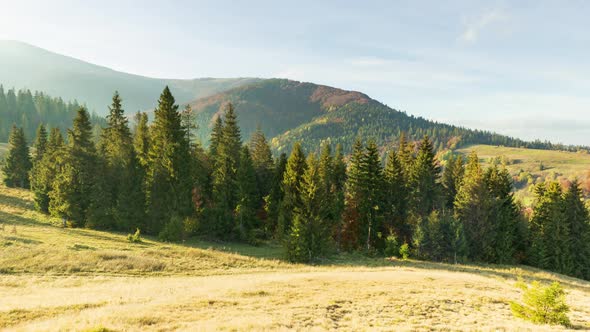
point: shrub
(173, 231)
(134, 238)
(542, 304)
(404, 251)
(391, 246)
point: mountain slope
(27, 66)
(290, 111)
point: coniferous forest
(157, 177)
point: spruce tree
(18, 160)
(451, 179)
(216, 137)
(396, 198)
(578, 221)
(350, 233)
(372, 205)
(473, 209)
(309, 233)
(40, 142)
(72, 187)
(226, 165)
(44, 170)
(141, 138)
(550, 231)
(424, 183)
(292, 182)
(273, 201)
(168, 174)
(248, 199)
(262, 159)
(505, 216)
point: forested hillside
(160, 180)
(290, 111)
(28, 110)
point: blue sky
(517, 67)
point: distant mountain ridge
(26, 66)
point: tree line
(158, 178)
(29, 110)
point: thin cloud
(474, 28)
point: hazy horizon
(518, 69)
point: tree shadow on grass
(16, 202)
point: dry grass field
(56, 279)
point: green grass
(525, 166)
(55, 278)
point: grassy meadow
(530, 166)
(54, 278)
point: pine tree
(424, 184)
(72, 187)
(292, 183)
(216, 137)
(262, 159)
(168, 173)
(40, 142)
(273, 201)
(141, 138)
(396, 198)
(44, 170)
(505, 215)
(225, 170)
(578, 219)
(118, 191)
(473, 209)
(248, 198)
(18, 160)
(451, 179)
(338, 188)
(371, 207)
(351, 229)
(309, 233)
(551, 233)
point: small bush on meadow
(136, 237)
(391, 246)
(173, 231)
(542, 304)
(404, 251)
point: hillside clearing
(531, 166)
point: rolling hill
(27, 66)
(289, 111)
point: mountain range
(285, 110)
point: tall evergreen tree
(18, 161)
(168, 174)
(262, 159)
(396, 198)
(248, 198)
(273, 201)
(216, 137)
(578, 219)
(424, 183)
(72, 187)
(451, 179)
(309, 233)
(44, 170)
(550, 231)
(473, 209)
(292, 183)
(226, 165)
(141, 138)
(372, 205)
(40, 142)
